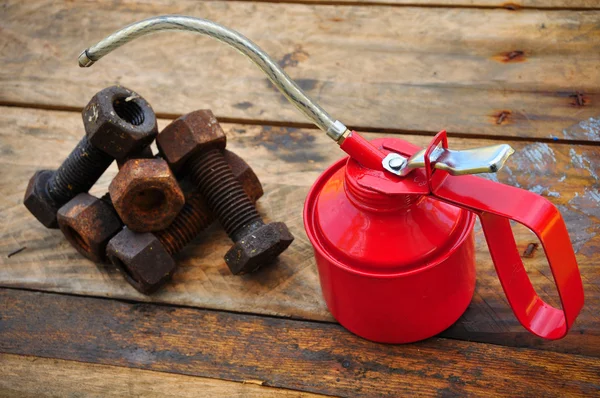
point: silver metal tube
(334, 128)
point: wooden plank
(510, 5)
(308, 356)
(397, 68)
(288, 161)
(26, 376)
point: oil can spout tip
(84, 60)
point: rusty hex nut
(189, 134)
(132, 252)
(146, 195)
(89, 223)
(38, 201)
(119, 122)
(258, 248)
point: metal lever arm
(487, 159)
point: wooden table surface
(527, 74)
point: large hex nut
(89, 223)
(189, 134)
(258, 248)
(146, 195)
(142, 259)
(119, 122)
(37, 200)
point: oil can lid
(374, 232)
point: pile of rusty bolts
(148, 214)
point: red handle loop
(497, 204)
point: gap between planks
(310, 126)
(507, 5)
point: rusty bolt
(127, 249)
(195, 131)
(194, 141)
(117, 121)
(146, 195)
(89, 223)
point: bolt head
(195, 132)
(119, 122)
(89, 223)
(258, 248)
(143, 260)
(146, 195)
(38, 202)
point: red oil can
(396, 255)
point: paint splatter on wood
(588, 129)
(588, 202)
(582, 161)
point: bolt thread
(191, 220)
(224, 194)
(78, 173)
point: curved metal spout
(334, 128)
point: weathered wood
(26, 376)
(308, 356)
(510, 5)
(398, 68)
(288, 161)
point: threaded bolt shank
(78, 173)
(224, 194)
(191, 220)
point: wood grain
(288, 161)
(26, 376)
(405, 69)
(299, 355)
(510, 5)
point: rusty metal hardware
(196, 216)
(88, 223)
(114, 127)
(146, 195)
(141, 258)
(119, 122)
(128, 250)
(195, 141)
